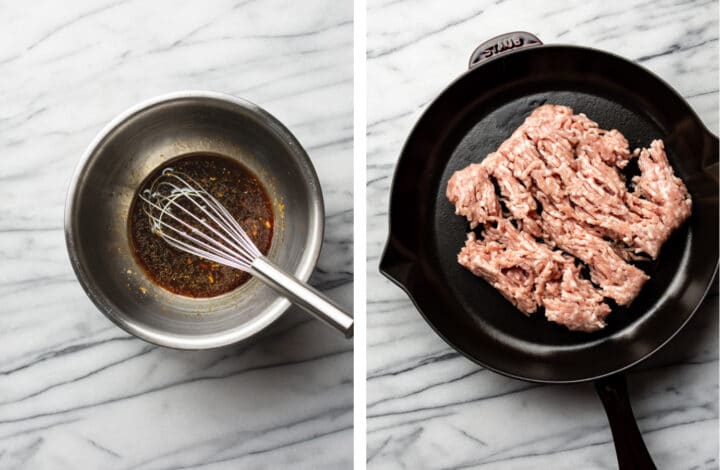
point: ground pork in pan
(567, 205)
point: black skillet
(509, 76)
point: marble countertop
(76, 392)
(428, 407)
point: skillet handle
(629, 445)
(502, 44)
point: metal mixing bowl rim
(276, 308)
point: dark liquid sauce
(242, 195)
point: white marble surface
(75, 391)
(429, 408)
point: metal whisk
(191, 220)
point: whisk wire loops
(192, 220)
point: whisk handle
(303, 295)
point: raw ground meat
(530, 274)
(559, 176)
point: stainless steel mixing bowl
(116, 164)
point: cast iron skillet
(509, 76)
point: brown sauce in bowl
(243, 196)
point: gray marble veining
(428, 408)
(76, 391)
